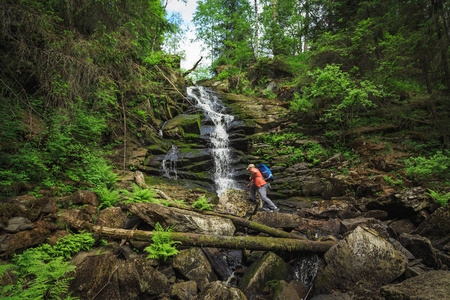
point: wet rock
(184, 290)
(421, 248)
(329, 209)
(50, 208)
(351, 224)
(236, 202)
(403, 204)
(433, 285)
(112, 217)
(17, 224)
(362, 256)
(334, 296)
(12, 243)
(181, 125)
(106, 277)
(277, 220)
(367, 189)
(437, 227)
(269, 267)
(192, 264)
(377, 214)
(84, 197)
(295, 290)
(403, 226)
(312, 186)
(24, 199)
(219, 290)
(181, 220)
(312, 227)
(335, 187)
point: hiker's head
(250, 166)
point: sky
(193, 50)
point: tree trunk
(256, 31)
(202, 240)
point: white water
(209, 102)
(169, 163)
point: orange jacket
(257, 177)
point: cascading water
(169, 163)
(213, 109)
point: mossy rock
(269, 267)
(181, 125)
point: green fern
(163, 244)
(441, 199)
(42, 271)
(202, 203)
(140, 195)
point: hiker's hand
(248, 185)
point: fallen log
(202, 240)
(255, 226)
(135, 209)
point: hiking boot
(276, 210)
(252, 200)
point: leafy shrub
(202, 203)
(422, 168)
(163, 244)
(441, 199)
(43, 270)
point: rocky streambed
(385, 241)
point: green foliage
(422, 168)
(345, 97)
(279, 139)
(42, 271)
(99, 173)
(202, 203)
(107, 197)
(140, 195)
(163, 244)
(441, 199)
(392, 182)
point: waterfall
(213, 109)
(169, 163)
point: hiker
(257, 183)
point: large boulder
(219, 290)
(106, 277)
(192, 264)
(433, 285)
(236, 202)
(181, 220)
(437, 227)
(268, 267)
(363, 256)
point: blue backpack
(267, 175)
